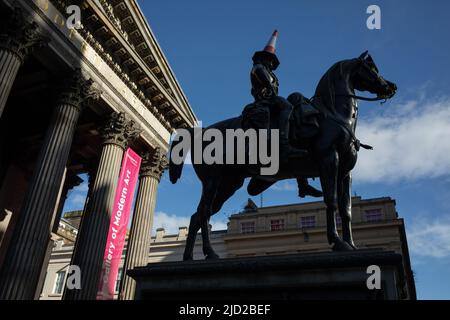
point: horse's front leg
(329, 164)
(328, 180)
(345, 208)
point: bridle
(383, 99)
(344, 125)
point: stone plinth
(327, 275)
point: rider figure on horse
(265, 91)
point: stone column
(153, 165)
(20, 272)
(18, 37)
(70, 181)
(93, 233)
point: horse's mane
(324, 96)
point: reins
(382, 99)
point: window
(373, 215)
(119, 277)
(277, 225)
(59, 282)
(308, 222)
(248, 227)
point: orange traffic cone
(271, 45)
(268, 52)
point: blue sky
(209, 45)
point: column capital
(119, 130)
(20, 35)
(154, 164)
(77, 90)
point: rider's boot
(305, 189)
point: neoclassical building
(256, 232)
(71, 101)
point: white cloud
(171, 222)
(83, 187)
(77, 201)
(411, 141)
(77, 197)
(218, 225)
(430, 239)
(284, 186)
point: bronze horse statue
(332, 150)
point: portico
(71, 102)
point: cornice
(127, 17)
(148, 37)
(146, 87)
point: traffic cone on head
(271, 45)
(268, 52)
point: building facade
(267, 231)
(73, 98)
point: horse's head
(368, 78)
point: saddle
(304, 117)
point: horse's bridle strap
(363, 98)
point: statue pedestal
(327, 275)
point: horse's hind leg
(226, 188)
(205, 211)
(194, 226)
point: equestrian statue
(316, 139)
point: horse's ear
(371, 62)
(364, 54)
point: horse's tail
(176, 168)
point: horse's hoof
(212, 256)
(340, 245)
(185, 258)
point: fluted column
(93, 233)
(18, 37)
(69, 181)
(153, 165)
(20, 273)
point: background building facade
(278, 230)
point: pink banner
(118, 225)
